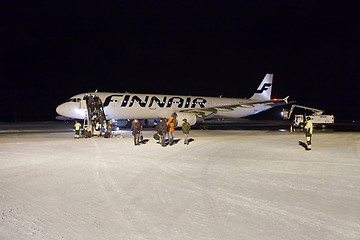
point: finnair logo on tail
(263, 88)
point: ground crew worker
(77, 127)
(308, 129)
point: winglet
(286, 99)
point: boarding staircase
(86, 119)
(94, 112)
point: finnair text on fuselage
(127, 100)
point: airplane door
(83, 103)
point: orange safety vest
(171, 124)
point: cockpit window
(74, 100)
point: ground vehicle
(318, 119)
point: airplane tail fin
(263, 92)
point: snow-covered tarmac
(227, 184)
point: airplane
(155, 106)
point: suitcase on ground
(107, 134)
(156, 136)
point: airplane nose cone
(60, 110)
(71, 110)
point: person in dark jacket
(161, 129)
(186, 130)
(136, 129)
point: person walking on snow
(171, 124)
(186, 130)
(308, 129)
(161, 130)
(136, 129)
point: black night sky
(52, 50)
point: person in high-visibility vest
(77, 127)
(308, 129)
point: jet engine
(190, 117)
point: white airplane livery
(154, 106)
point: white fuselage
(149, 106)
(154, 106)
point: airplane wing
(274, 101)
(244, 104)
